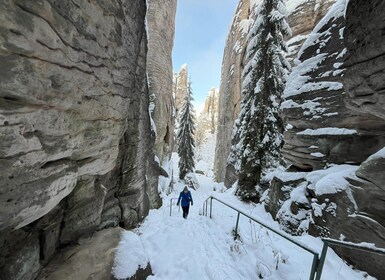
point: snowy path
(202, 248)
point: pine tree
(257, 135)
(186, 142)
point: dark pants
(185, 211)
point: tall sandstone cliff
(302, 18)
(180, 83)
(76, 139)
(230, 87)
(334, 107)
(161, 27)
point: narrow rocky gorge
(88, 104)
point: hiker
(186, 197)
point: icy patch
(328, 131)
(319, 155)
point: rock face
(95, 254)
(161, 25)
(335, 111)
(230, 88)
(207, 120)
(211, 109)
(364, 80)
(323, 128)
(364, 83)
(303, 16)
(180, 87)
(76, 140)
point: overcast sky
(201, 30)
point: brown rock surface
(230, 88)
(92, 259)
(323, 129)
(161, 25)
(303, 17)
(364, 37)
(75, 133)
(180, 87)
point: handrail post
(314, 267)
(211, 206)
(203, 209)
(321, 263)
(206, 207)
(236, 226)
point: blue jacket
(186, 198)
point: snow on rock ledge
(341, 201)
(315, 103)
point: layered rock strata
(180, 88)
(211, 109)
(161, 25)
(336, 116)
(75, 128)
(322, 128)
(230, 88)
(302, 18)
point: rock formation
(230, 88)
(334, 107)
(302, 18)
(180, 87)
(161, 25)
(94, 254)
(322, 128)
(207, 120)
(76, 141)
(211, 108)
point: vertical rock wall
(75, 136)
(322, 128)
(180, 87)
(334, 107)
(161, 27)
(230, 87)
(303, 16)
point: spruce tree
(257, 135)
(186, 142)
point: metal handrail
(171, 199)
(318, 263)
(351, 245)
(280, 233)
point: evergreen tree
(186, 142)
(257, 135)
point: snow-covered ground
(203, 248)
